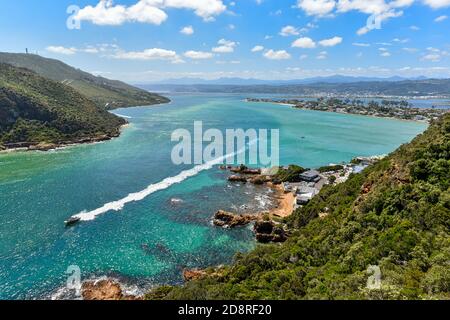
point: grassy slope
(105, 93)
(36, 109)
(396, 215)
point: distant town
(399, 109)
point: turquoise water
(150, 241)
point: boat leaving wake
(164, 184)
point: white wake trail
(164, 184)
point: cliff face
(394, 216)
(37, 110)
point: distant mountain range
(411, 88)
(242, 81)
(107, 94)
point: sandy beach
(285, 203)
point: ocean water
(149, 240)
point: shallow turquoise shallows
(150, 241)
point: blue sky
(152, 40)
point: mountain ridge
(106, 93)
(37, 112)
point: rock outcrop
(268, 231)
(104, 290)
(235, 178)
(230, 220)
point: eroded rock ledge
(226, 219)
(104, 290)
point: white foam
(164, 184)
(123, 116)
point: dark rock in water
(229, 220)
(235, 178)
(158, 250)
(239, 169)
(259, 180)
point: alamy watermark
(74, 279)
(234, 146)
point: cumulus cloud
(225, 46)
(289, 31)
(146, 11)
(149, 54)
(331, 42)
(304, 42)
(437, 4)
(277, 55)
(198, 55)
(188, 30)
(380, 10)
(322, 55)
(441, 18)
(317, 7)
(257, 48)
(61, 50)
(361, 44)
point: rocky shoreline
(44, 146)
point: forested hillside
(35, 110)
(107, 94)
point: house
(303, 199)
(310, 176)
(306, 190)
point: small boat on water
(72, 221)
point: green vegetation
(107, 94)
(35, 110)
(395, 215)
(330, 168)
(290, 174)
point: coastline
(44, 147)
(345, 113)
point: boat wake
(164, 184)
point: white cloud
(317, 7)
(385, 54)
(322, 55)
(257, 48)
(61, 50)
(414, 28)
(440, 18)
(331, 42)
(436, 4)
(198, 55)
(277, 55)
(289, 31)
(305, 42)
(410, 50)
(361, 44)
(146, 11)
(433, 57)
(400, 40)
(149, 54)
(225, 46)
(381, 10)
(188, 30)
